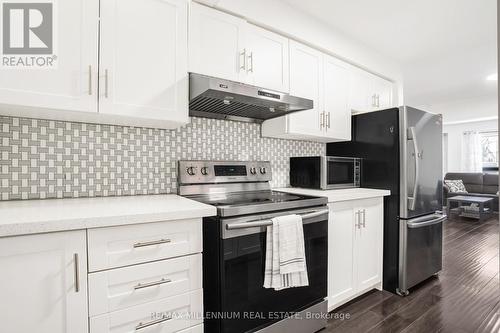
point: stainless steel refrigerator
(401, 150)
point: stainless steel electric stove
(234, 249)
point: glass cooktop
(256, 202)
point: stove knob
(263, 170)
(204, 171)
(253, 171)
(191, 171)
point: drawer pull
(151, 243)
(151, 284)
(140, 326)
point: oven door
(340, 172)
(244, 248)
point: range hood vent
(223, 99)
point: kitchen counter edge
(24, 217)
(340, 194)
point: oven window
(243, 277)
(339, 172)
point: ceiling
(445, 48)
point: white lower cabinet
(164, 316)
(355, 249)
(136, 244)
(44, 279)
(121, 288)
(146, 277)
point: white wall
(286, 20)
(464, 111)
(455, 133)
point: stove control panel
(209, 172)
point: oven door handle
(265, 223)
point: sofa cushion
(490, 183)
(455, 186)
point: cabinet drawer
(127, 245)
(121, 288)
(178, 313)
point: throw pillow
(455, 186)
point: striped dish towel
(285, 254)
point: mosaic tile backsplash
(54, 159)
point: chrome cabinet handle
(364, 218)
(151, 243)
(141, 325)
(373, 101)
(357, 224)
(328, 118)
(321, 120)
(250, 70)
(106, 83)
(77, 272)
(243, 64)
(378, 100)
(90, 80)
(151, 284)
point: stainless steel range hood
(211, 97)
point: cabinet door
(383, 90)
(267, 59)
(216, 43)
(341, 254)
(72, 84)
(361, 96)
(369, 242)
(143, 64)
(306, 80)
(39, 278)
(336, 99)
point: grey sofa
(477, 184)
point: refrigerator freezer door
(421, 162)
(420, 249)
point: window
(489, 144)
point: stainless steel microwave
(325, 172)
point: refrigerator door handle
(426, 221)
(413, 137)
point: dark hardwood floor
(464, 298)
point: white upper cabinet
(267, 59)
(137, 77)
(227, 47)
(306, 76)
(72, 84)
(369, 92)
(43, 283)
(383, 92)
(144, 65)
(325, 80)
(216, 43)
(359, 90)
(336, 99)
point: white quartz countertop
(49, 215)
(338, 195)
